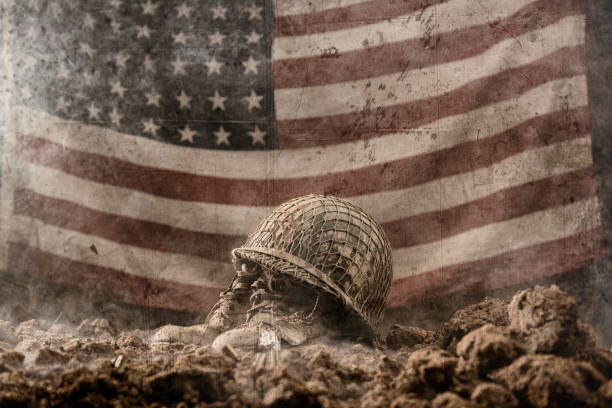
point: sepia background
(142, 142)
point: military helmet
(330, 244)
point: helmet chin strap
(314, 309)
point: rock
(27, 346)
(547, 317)
(408, 383)
(551, 381)
(487, 348)
(131, 341)
(601, 359)
(408, 336)
(96, 347)
(321, 359)
(534, 307)
(125, 371)
(81, 387)
(96, 328)
(288, 396)
(315, 387)
(7, 333)
(386, 376)
(465, 320)
(353, 390)
(606, 392)
(404, 401)
(11, 360)
(34, 328)
(199, 334)
(359, 356)
(586, 348)
(433, 367)
(450, 400)
(187, 384)
(490, 395)
(15, 391)
(167, 347)
(332, 382)
(284, 387)
(47, 356)
(377, 397)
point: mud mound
(532, 352)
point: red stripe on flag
(346, 17)
(374, 122)
(411, 171)
(420, 229)
(511, 268)
(125, 230)
(117, 285)
(513, 202)
(407, 55)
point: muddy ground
(531, 352)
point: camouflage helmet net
(330, 244)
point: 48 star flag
(143, 140)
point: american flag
(143, 140)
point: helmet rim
(280, 262)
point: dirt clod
(408, 336)
(463, 321)
(551, 381)
(47, 356)
(33, 328)
(54, 364)
(7, 333)
(96, 328)
(433, 367)
(130, 341)
(606, 392)
(546, 316)
(10, 361)
(491, 395)
(193, 384)
(487, 348)
(404, 401)
(450, 400)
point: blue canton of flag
(188, 73)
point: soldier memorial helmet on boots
(317, 265)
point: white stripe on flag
(437, 195)
(463, 188)
(133, 260)
(498, 238)
(446, 17)
(473, 245)
(352, 96)
(295, 7)
(298, 163)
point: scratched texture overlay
(143, 140)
